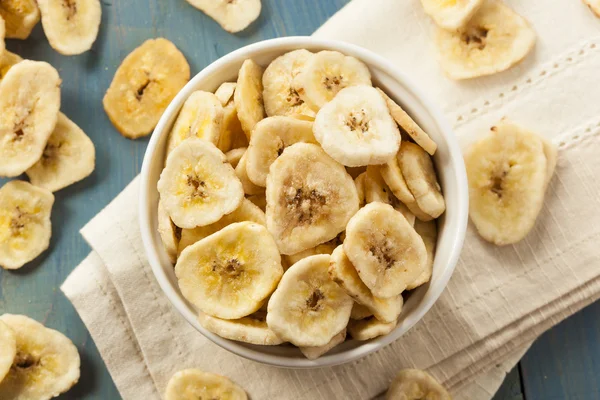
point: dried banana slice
(251, 329)
(494, 40)
(197, 186)
(46, 364)
(415, 384)
(230, 273)
(232, 134)
(386, 250)
(233, 15)
(409, 125)
(419, 174)
(360, 312)
(69, 156)
(194, 384)
(326, 73)
(169, 233)
(507, 173)
(376, 190)
(356, 171)
(25, 227)
(2, 35)
(201, 116)
(594, 5)
(270, 137)
(551, 153)
(225, 92)
(281, 94)
(428, 232)
(8, 344)
(307, 308)
(234, 156)
(359, 182)
(20, 17)
(314, 352)
(241, 171)
(356, 128)
(7, 61)
(369, 328)
(451, 14)
(259, 200)
(323, 248)
(144, 85)
(248, 96)
(29, 104)
(71, 26)
(342, 272)
(310, 198)
(247, 211)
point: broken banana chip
(71, 26)
(451, 14)
(369, 328)
(29, 104)
(251, 329)
(197, 186)
(144, 85)
(8, 344)
(428, 232)
(169, 233)
(230, 273)
(416, 384)
(20, 17)
(314, 352)
(248, 96)
(194, 384)
(25, 228)
(594, 5)
(233, 15)
(46, 362)
(376, 190)
(7, 61)
(507, 172)
(69, 156)
(225, 92)
(494, 40)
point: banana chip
(451, 14)
(7, 61)
(20, 17)
(194, 384)
(369, 328)
(415, 384)
(8, 344)
(233, 15)
(248, 96)
(314, 352)
(144, 85)
(2, 35)
(428, 232)
(251, 329)
(594, 5)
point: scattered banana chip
(46, 363)
(328, 72)
(386, 251)
(248, 96)
(225, 92)
(251, 329)
(342, 272)
(230, 273)
(69, 156)
(356, 128)
(8, 344)
(428, 232)
(594, 5)
(310, 198)
(169, 234)
(451, 14)
(419, 173)
(413, 384)
(281, 94)
(323, 248)
(144, 85)
(247, 211)
(494, 40)
(270, 137)
(7, 60)
(314, 352)
(507, 173)
(197, 186)
(194, 384)
(308, 308)
(409, 125)
(376, 190)
(29, 104)
(25, 227)
(201, 116)
(259, 200)
(241, 171)
(360, 312)
(233, 15)
(20, 17)
(369, 328)
(71, 26)
(234, 156)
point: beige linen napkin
(499, 299)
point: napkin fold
(499, 298)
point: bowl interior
(449, 165)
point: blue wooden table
(563, 364)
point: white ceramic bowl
(448, 161)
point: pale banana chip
(594, 5)
(259, 200)
(194, 384)
(232, 134)
(428, 232)
(451, 14)
(2, 36)
(234, 156)
(7, 60)
(69, 156)
(169, 233)
(46, 363)
(248, 96)
(414, 384)
(377, 190)
(251, 329)
(369, 328)
(8, 345)
(233, 15)
(20, 17)
(241, 171)
(230, 273)
(323, 248)
(225, 92)
(314, 352)
(71, 26)
(359, 182)
(25, 227)
(360, 312)
(29, 104)
(144, 85)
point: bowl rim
(371, 59)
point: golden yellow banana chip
(7, 60)
(20, 17)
